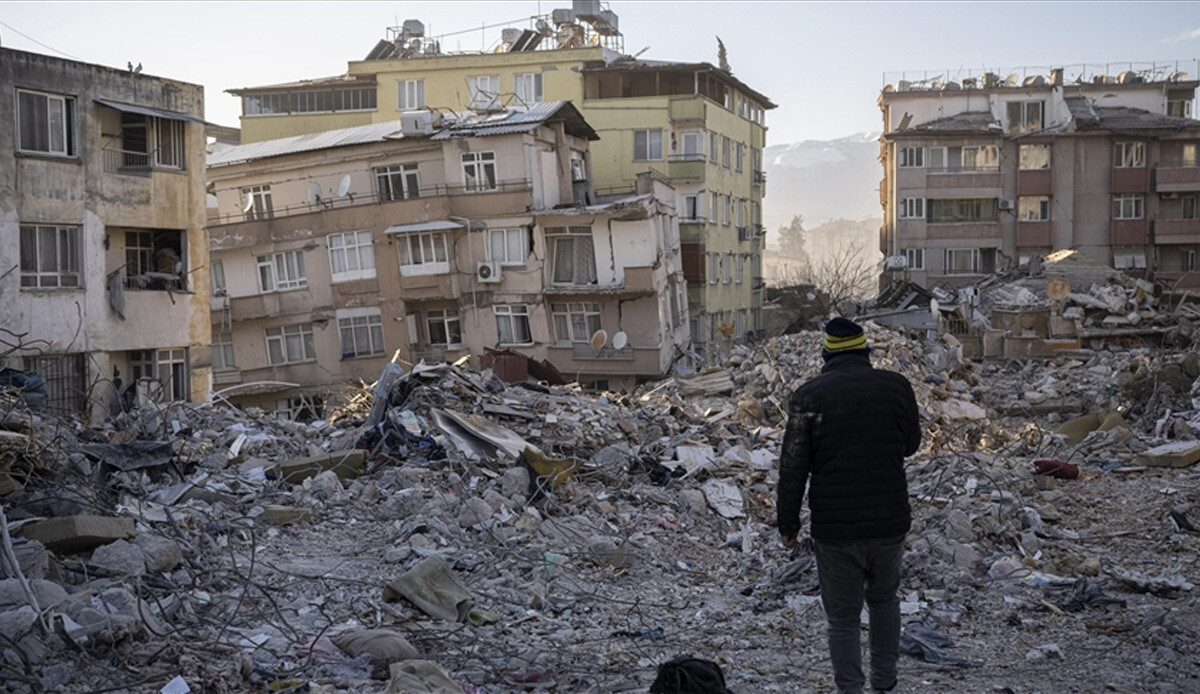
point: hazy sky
(821, 63)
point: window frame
(564, 316)
(446, 318)
(67, 257)
(914, 259)
(410, 88)
(256, 202)
(348, 244)
(1128, 206)
(483, 164)
(580, 276)
(424, 252)
(358, 324)
(714, 140)
(1129, 154)
(1020, 121)
(910, 157)
(479, 97)
(517, 315)
(911, 208)
(408, 175)
(645, 150)
(288, 263)
(223, 352)
(1034, 153)
(67, 128)
(522, 250)
(523, 81)
(973, 254)
(280, 335)
(1027, 205)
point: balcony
(429, 287)
(1176, 230)
(1131, 180)
(964, 230)
(1034, 182)
(639, 281)
(687, 167)
(1033, 234)
(1129, 232)
(1177, 179)
(226, 377)
(985, 180)
(271, 304)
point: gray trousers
(851, 572)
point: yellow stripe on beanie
(842, 344)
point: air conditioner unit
(487, 272)
(897, 262)
(1005, 204)
(745, 233)
(416, 123)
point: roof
(155, 112)
(361, 134)
(335, 81)
(968, 123)
(1136, 121)
(633, 65)
(510, 121)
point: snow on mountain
(822, 180)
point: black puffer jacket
(850, 429)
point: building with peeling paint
(103, 253)
(436, 238)
(983, 172)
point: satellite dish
(620, 340)
(314, 193)
(544, 28)
(211, 201)
(344, 186)
(247, 202)
(599, 339)
(935, 309)
(1058, 289)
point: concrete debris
(444, 531)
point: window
(216, 276)
(354, 99)
(1188, 207)
(164, 369)
(575, 322)
(647, 145)
(725, 209)
(1035, 157)
(961, 261)
(714, 205)
(737, 212)
(1179, 108)
(290, 344)
(937, 159)
(963, 210)
(410, 95)
(445, 328)
(1024, 116)
(693, 145)
(484, 91)
(479, 171)
(312, 102)
(1128, 206)
(424, 254)
(361, 330)
(512, 324)
(738, 269)
(1033, 208)
(726, 267)
(1129, 155)
(50, 256)
(912, 208)
(714, 268)
(912, 157)
(222, 351)
(713, 142)
(508, 246)
(256, 203)
(1188, 259)
(139, 247)
(46, 123)
(397, 182)
(168, 140)
(527, 86)
(725, 151)
(66, 381)
(915, 258)
(980, 158)
(739, 156)
(1129, 257)
(691, 207)
(153, 260)
(351, 256)
(282, 271)
(574, 255)
(265, 104)
(1187, 154)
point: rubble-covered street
(482, 537)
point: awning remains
(156, 112)
(437, 225)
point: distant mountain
(822, 180)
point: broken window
(351, 256)
(963, 210)
(484, 91)
(256, 203)
(290, 344)
(160, 375)
(574, 255)
(361, 331)
(148, 142)
(1129, 155)
(691, 207)
(154, 260)
(444, 326)
(1128, 206)
(647, 145)
(575, 322)
(282, 271)
(914, 258)
(527, 86)
(45, 123)
(479, 171)
(508, 246)
(1034, 157)
(216, 276)
(410, 95)
(50, 256)
(398, 182)
(1033, 208)
(1025, 116)
(305, 408)
(912, 208)
(423, 253)
(512, 324)
(222, 351)
(66, 382)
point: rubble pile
(458, 534)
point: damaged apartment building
(694, 123)
(985, 172)
(105, 296)
(436, 237)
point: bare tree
(843, 276)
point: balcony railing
(694, 156)
(126, 163)
(963, 169)
(586, 351)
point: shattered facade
(340, 249)
(984, 173)
(105, 286)
(694, 123)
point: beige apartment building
(104, 279)
(437, 238)
(694, 123)
(984, 172)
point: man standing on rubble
(849, 430)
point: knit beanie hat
(844, 336)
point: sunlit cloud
(1185, 36)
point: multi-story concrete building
(438, 240)
(987, 171)
(693, 122)
(102, 241)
